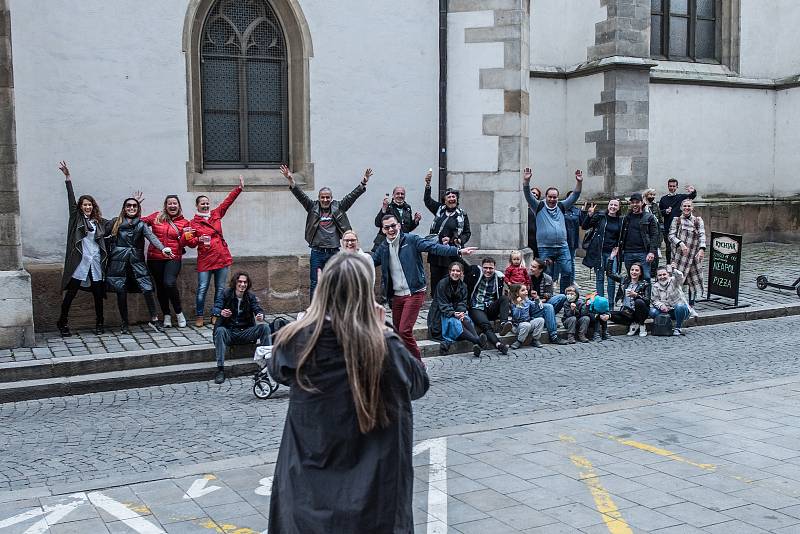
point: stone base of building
(16, 310)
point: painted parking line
(437, 472)
(603, 501)
(656, 450)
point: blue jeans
(319, 257)
(562, 266)
(600, 275)
(203, 281)
(557, 302)
(630, 257)
(549, 316)
(680, 312)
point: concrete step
(124, 379)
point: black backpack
(662, 325)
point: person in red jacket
(516, 272)
(168, 225)
(213, 257)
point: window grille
(684, 30)
(243, 62)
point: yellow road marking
(226, 528)
(657, 450)
(209, 477)
(137, 507)
(603, 501)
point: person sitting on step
(634, 294)
(487, 303)
(576, 316)
(239, 320)
(525, 324)
(668, 297)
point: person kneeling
(668, 297)
(237, 309)
(524, 323)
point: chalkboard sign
(724, 265)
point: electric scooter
(763, 283)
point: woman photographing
(86, 258)
(349, 421)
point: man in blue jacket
(403, 275)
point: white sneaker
(677, 332)
(643, 331)
(181, 320)
(167, 321)
(693, 312)
(632, 330)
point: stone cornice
(659, 74)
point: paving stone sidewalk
(716, 461)
(777, 260)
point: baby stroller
(263, 383)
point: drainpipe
(442, 97)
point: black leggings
(469, 333)
(640, 312)
(122, 304)
(69, 295)
(165, 277)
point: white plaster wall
(562, 30)
(787, 141)
(769, 38)
(101, 83)
(561, 112)
(719, 140)
(468, 148)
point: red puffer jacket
(216, 254)
(168, 235)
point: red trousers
(405, 311)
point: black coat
(227, 300)
(76, 231)
(328, 476)
(127, 270)
(445, 226)
(594, 254)
(642, 287)
(450, 297)
(648, 229)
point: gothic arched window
(244, 86)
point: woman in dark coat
(127, 270)
(450, 226)
(634, 295)
(605, 227)
(86, 258)
(448, 320)
(344, 463)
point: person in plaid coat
(687, 236)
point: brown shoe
(213, 319)
(198, 321)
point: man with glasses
(326, 221)
(487, 303)
(551, 228)
(450, 226)
(397, 206)
(403, 275)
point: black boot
(124, 329)
(219, 377)
(63, 328)
(99, 329)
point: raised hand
(288, 174)
(241, 182)
(385, 206)
(527, 174)
(367, 174)
(62, 166)
(690, 189)
(592, 208)
(428, 177)
(138, 196)
(579, 175)
(417, 217)
(466, 251)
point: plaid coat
(691, 232)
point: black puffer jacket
(127, 250)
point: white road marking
(198, 488)
(124, 514)
(55, 513)
(265, 487)
(437, 472)
(21, 518)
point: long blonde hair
(344, 296)
(121, 218)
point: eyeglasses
(352, 240)
(131, 205)
(389, 226)
(449, 191)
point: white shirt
(399, 282)
(91, 257)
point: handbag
(662, 325)
(587, 238)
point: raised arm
(72, 204)
(298, 193)
(526, 190)
(222, 209)
(351, 197)
(576, 193)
